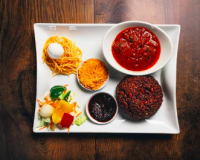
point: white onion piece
(46, 111)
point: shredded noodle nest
(69, 62)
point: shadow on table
(134, 136)
(102, 136)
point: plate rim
(175, 130)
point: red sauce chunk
(136, 48)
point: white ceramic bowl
(88, 112)
(165, 42)
(103, 85)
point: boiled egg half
(55, 50)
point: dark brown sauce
(102, 107)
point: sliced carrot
(74, 104)
(65, 85)
(42, 127)
(68, 129)
(65, 92)
(47, 99)
(50, 124)
(40, 102)
(79, 114)
(54, 105)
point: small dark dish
(101, 108)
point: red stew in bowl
(136, 48)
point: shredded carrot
(42, 127)
(78, 114)
(65, 85)
(51, 124)
(68, 129)
(46, 99)
(40, 102)
(54, 105)
(74, 104)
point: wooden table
(18, 80)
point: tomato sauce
(136, 48)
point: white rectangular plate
(88, 37)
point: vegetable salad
(59, 110)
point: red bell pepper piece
(66, 121)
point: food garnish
(67, 96)
(58, 109)
(61, 63)
(80, 120)
(92, 74)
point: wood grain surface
(18, 80)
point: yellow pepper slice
(63, 107)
